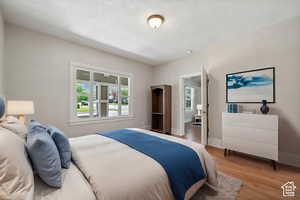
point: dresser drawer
(252, 148)
(258, 121)
(264, 136)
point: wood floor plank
(260, 181)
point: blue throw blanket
(180, 162)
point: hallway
(192, 133)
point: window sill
(77, 122)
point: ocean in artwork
(253, 86)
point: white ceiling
(119, 26)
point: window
(124, 96)
(188, 98)
(99, 94)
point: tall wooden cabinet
(161, 108)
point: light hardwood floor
(192, 133)
(260, 181)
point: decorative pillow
(44, 154)
(62, 144)
(16, 176)
(16, 126)
(2, 107)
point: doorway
(193, 104)
(192, 101)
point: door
(204, 116)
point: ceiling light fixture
(155, 21)
(189, 51)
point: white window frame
(74, 120)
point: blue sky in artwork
(239, 81)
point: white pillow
(16, 176)
(16, 126)
(12, 119)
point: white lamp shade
(199, 107)
(20, 108)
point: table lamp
(199, 108)
(20, 108)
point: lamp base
(22, 118)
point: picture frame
(251, 86)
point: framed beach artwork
(251, 86)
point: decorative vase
(264, 108)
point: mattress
(116, 171)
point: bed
(74, 187)
(106, 169)
(102, 168)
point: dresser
(254, 134)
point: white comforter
(74, 187)
(117, 172)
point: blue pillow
(62, 144)
(44, 154)
(2, 107)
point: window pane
(124, 81)
(113, 94)
(103, 78)
(124, 106)
(103, 109)
(188, 105)
(82, 106)
(104, 92)
(187, 91)
(96, 108)
(113, 101)
(95, 99)
(82, 88)
(124, 91)
(188, 98)
(83, 75)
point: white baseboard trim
(174, 131)
(215, 142)
(177, 131)
(289, 159)
(286, 158)
(147, 127)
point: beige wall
(37, 68)
(170, 74)
(1, 55)
(278, 46)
